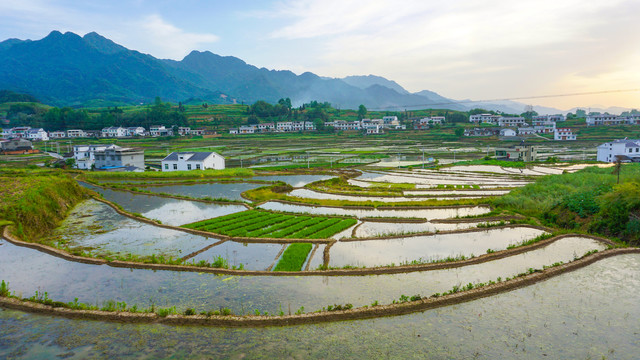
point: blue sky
(479, 49)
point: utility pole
(422, 158)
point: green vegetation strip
(293, 257)
(264, 224)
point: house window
(175, 166)
(166, 166)
(188, 166)
(198, 166)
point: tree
(459, 131)
(362, 112)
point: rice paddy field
(277, 258)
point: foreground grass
(36, 201)
(293, 257)
(226, 173)
(589, 200)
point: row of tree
(160, 113)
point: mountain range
(70, 70)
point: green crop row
(315, 228)
(285, 224)
(258, 225)
(334, 229)
(293, 257)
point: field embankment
(36, 201)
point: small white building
(114, 132)
(629, 149)
(84, 155)
(507, 132)
(512, 121)
(75, 133)
(5, 134)
(233, 131)
(526, 131)
(247, 129)
(484, 118)
(266, 127)
(563, 134)
(135, 131)
(37, 135)
(57, 135)
(160, 130)
(284, 126)
(183, 161)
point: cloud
(468, 48)
(168, 41)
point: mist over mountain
(67, 69)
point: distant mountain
(364, 82)
(66, 69)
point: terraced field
(265, 224)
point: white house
(484, 118)
(630, 149)
(266, 127)
(247, 129)
(20, 132)
(75, 133)
(526, 131)
(37, 135)
(6, 133)
(84, 155)
(135, 131)
(114, 132)
(57, 135)
(390, 120)
(511, 121)
(507, 132)
(563, 134)
(283, 126)
(160, 130)
(233, 131)
(181, 161)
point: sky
(461, 49)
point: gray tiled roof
(196, 156)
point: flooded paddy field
(432, 178)
(27, 271)
(168, 211)
(229, 191)
(379, 228)
(426, 213)
(96, 228)
(294, 180)
(370, 253)
(590, 313)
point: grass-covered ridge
(225, 173)
(268, 193)
(590, 199)
(35, 202)
(265, 224)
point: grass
(36, 201)
(210, 174)
(293, 257)
(265, 224)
